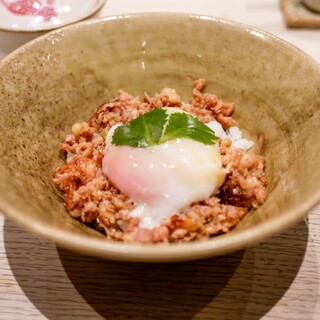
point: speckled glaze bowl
(62, 77)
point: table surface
(277, 279)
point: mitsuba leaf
(183, 125)
(142, 132)
(157, 126)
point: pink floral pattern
(44, 9)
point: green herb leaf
(183, 125)
(156, 127)
(142, 132)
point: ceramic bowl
(62, 77)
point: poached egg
(163, 179)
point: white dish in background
(38, 15)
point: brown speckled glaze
(62, 77)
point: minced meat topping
(91, 198)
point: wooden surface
(277, 279)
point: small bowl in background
(24, 20)
(44, 15)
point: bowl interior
(62, 77)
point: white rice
(233, 133)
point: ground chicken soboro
(92, 199)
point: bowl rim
(112, 250)
(99, 4)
